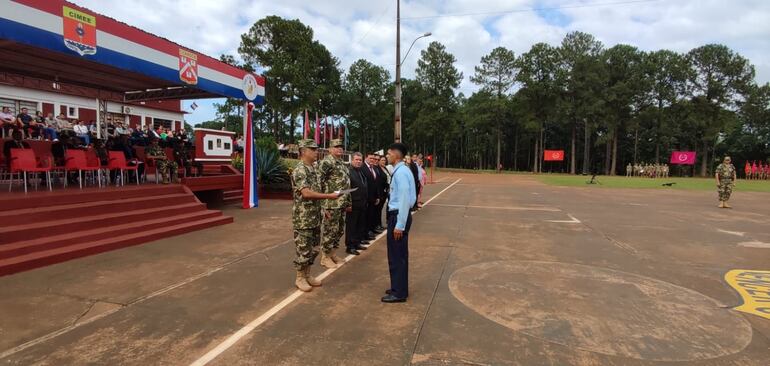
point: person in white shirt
(81, 131)
(8, 120)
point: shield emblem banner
(79, 31)
(188, 67)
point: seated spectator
(138, 137)
(8, 121)
(111, 130)
(81, 131)
(47, 126)
(101, 152)
(61, 124)
(16, 143)
(122, 144)
(92, 130)
(25, 121)
(120, 130)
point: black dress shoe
(388, 292)
(390, 299)
(359, 247)
(380, 228)
(352, 251)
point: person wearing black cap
(402, 198)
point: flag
(747, 169)
(317, 129)
(249, 160)
(683, 157)
(340, 133)
(553, 155)
(194, 106)
(306, 125)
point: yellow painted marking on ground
(754, 288)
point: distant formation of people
(757, 170)
(647, 170)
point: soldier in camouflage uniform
(306, 213)
(334, 177)
(726, 178)
(162, 164)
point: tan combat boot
(164, 176)
(721, 204)
(301, 282)
(312, 281)
(726, 205)
(327, 261)
(337, 259)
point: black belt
(394, 212)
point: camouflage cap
(337, 143)
(307, 143)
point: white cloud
(354, 29)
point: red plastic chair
(23, 161)
(76, 160)
(149, 163)
(118, 161)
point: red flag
(747, 169)
(307, 126)
(340, 131)
(553, 155)
(317, 129)
(683, 157)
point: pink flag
(683, 157)
(306, 126)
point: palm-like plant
(270, 168)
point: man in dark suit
(371, 172)
(382, 191)
(355, 216)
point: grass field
(624, 182)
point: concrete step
(60, 254)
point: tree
(540, 77)
(497, 75)
(623, 65)
(300, 73)
(439, 78)
(720, 82)
(664, 81)
(364, 99)
(583, 81)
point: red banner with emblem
(682, 157)
(553, 155)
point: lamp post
(399, 61)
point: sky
(355, 29)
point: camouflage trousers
(164, 166)
(333, 228)
(725, 189)
(305, 242)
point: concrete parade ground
(504, 270)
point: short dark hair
(400, 148)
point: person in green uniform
(726, 178)
(306, 213)
(163, 165)
(334, 177)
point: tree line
(604, 106)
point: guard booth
(58, 47)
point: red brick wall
(166, 105)
(87, 115)
(47, 108)
(134, 121)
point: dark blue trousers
(398, 257)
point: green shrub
(266, 143)
(270, 167)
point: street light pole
(397, 122)
(399, 61)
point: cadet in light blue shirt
(402, 198)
